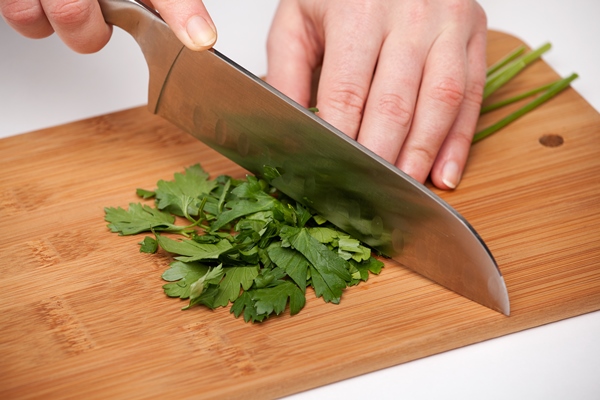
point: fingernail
(450, 175)
(201, 33)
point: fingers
(26, 17)
(79, 23)
(291, 54)
(189, 21)
(392, 98)
(449, 101)
(353, 43)
(440, 98)
(452, 157)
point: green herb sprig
(245, 244)
(501, 72)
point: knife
(268, 134)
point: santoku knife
(268, 134)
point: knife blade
(268, 134)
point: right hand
(80, 24)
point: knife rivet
(221, 132)
(376, 227)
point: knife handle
(158, 43)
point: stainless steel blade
(243, 118)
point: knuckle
(462, 138)
(346, 98)
(418, 12)
(21, 13)
(460, 8)
(448, 91)
(72, 12)
(474, 92)
(423, 154)
(394, 107)
(420, 158)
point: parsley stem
(505, 60)
(200, 217)
(223, 195)
(556, 88)
(514, 99)
(503, 75)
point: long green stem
(526, 58)
(505, 60)
(200, 217)
(221, 202)
(503, 75)
(514, 99)
(556, 88)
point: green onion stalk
(501, 72)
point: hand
(79, 23)
(403, 77)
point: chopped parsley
(243, 244)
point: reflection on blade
(249, 122)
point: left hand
(403, 77)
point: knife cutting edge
(259, 128)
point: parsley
(181, 196)
(244, 244)
(138, 218)
(148, 245)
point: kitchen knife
(268, 134)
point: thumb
(190, 22)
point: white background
(43, 83)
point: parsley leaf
(245, 304)
(212, 277)
(323, 234)
(181, 196)
(292, 262)
(330, 273)
(274, 298)
(250, 199)
(351, 248)
(348, 248)
(148, 245)
(235, 279)
(190, 250)
(145, 194)
(138, 218)
(181, 275)
(372, 265)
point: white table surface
(43, 83)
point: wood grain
(84, 315)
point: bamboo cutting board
(83, 313)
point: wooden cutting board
(83, 313)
